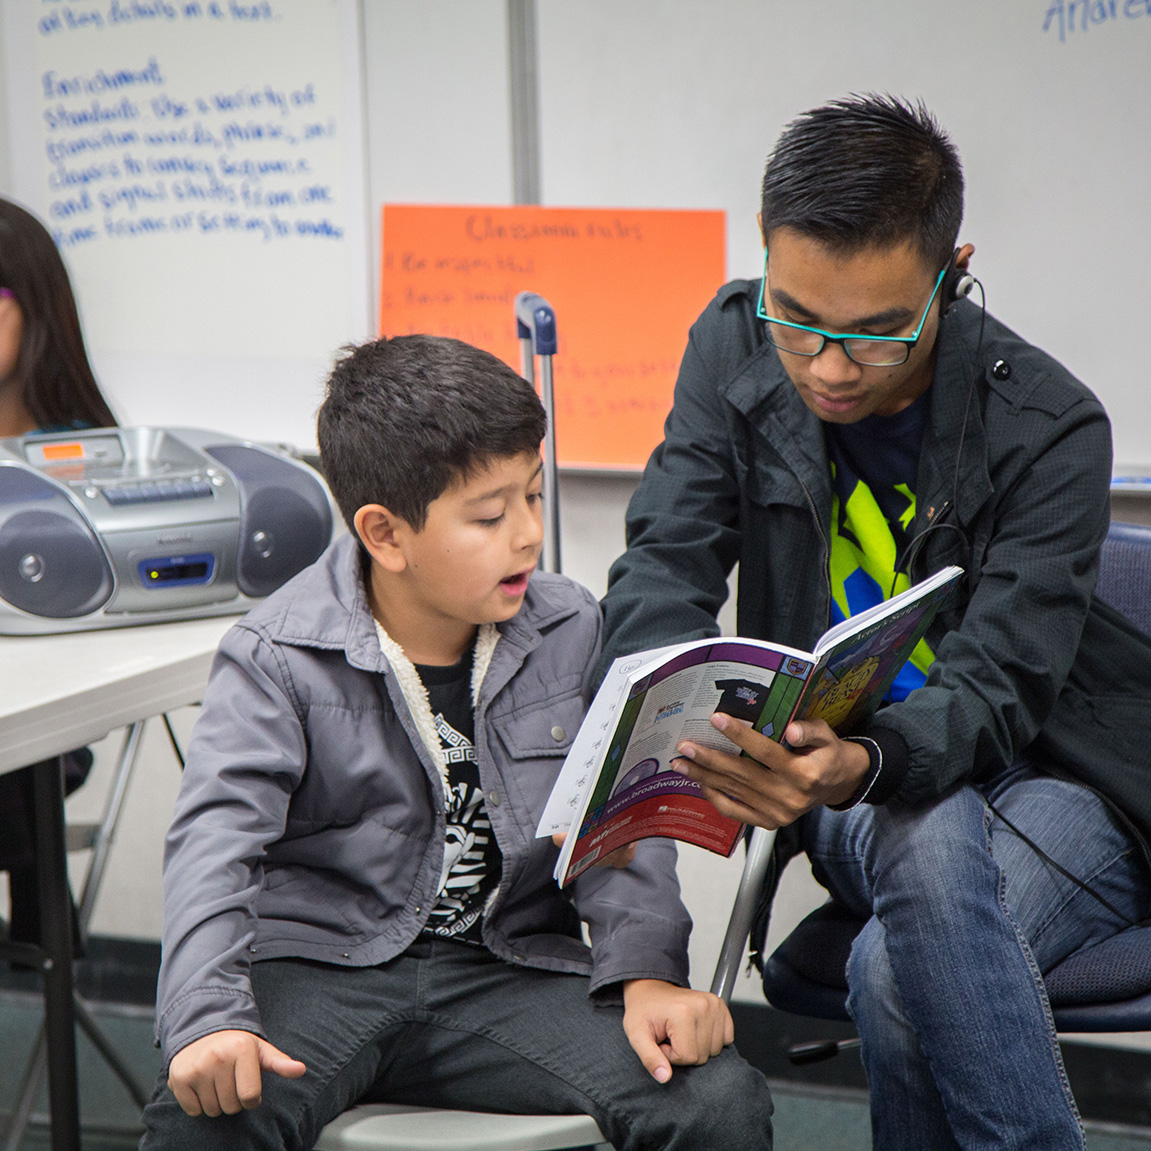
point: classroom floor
(807, 1118)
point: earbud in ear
(957, 283)
(963, 286)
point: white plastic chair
(396, 1127)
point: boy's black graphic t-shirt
(472, 859)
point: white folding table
(62, 692)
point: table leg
(56, 930)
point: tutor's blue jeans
(448, 1025)
(945, 978)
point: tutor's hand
(621, 857)
(220, 1073)
(818, 768)
(666, 1024)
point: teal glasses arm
(911, 340)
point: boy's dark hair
(866, 170)
(404, 418)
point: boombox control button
(31, 568)
(218, 480)
(158, 490)
(264, 543)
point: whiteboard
(201, 166)
(676, 103)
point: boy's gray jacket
(310, 822)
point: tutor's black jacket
(1013, 485)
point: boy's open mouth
(516, 584)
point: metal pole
(742, 912)
(523, 63)
(528, 360)
(536, 329)
(56, 934)
(552, 561)
(108, 824)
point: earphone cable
(1081, 884)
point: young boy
(356, 906)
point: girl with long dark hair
(46, 385)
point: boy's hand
(220, 1073)
(666, 1024)
(621, 857)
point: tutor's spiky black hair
(866, 170)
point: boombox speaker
(285, 521)
(51, 563)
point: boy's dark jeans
(449, 1025)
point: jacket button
(1001, 370)
(494, 798)
(558, 733)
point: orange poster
(625, 285)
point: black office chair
(1102, 988)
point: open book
(616, 785)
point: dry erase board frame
(201, 165)
(626, 284)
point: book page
(862, 621)
(636, 794)
(584, 755)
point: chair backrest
(1125, 573)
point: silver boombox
(115, 526)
